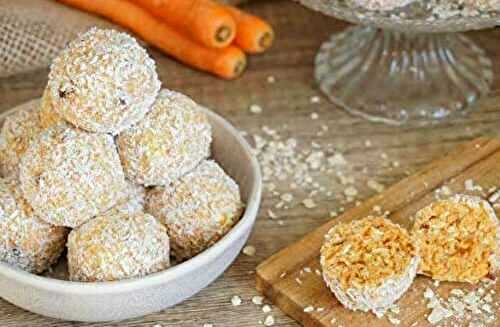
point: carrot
(227, 63)
(253, 34)
(203, 20)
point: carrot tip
(223, 34)
(266, 40)
(239, 67)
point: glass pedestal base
(397, 78)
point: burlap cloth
(32, 32)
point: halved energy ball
(18, 130)
(170, 141)
(457, 239)
(117, 246)
(369, 263)
(197, 209)
(103, 81)
(69, 176)
(27, 241)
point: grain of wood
(290, 61)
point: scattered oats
(333, 321)
(394, 320)
(206, 325)
(255, 109)
(159, 325)
(439, 313)
(337, 159)
(395, 164)
(287, 197)
(318, 272)
(309, 309)
(368, 143)
(309, 203)
(258, 300)
(470, 186)
(266, 308)
(351, 191)
(320, 309)
(307, 270)
(271, 214)
(283, 274)
(436, 283)
(281, 222)
(271, 79)
(249, 250)
(236, 300)
(315, 99)
(374, 185)
(333, 214)
(494, 197)
(314, 116)
(269, 321)
(383, 155)
(298, 281)
(377, 209)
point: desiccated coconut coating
(133, 202)
(18, 130)
(457, 239)
(170, 141)
(197, 209)
(69, 176)
(26, 241)
(381, 4)
(369, 263)
(104, 81)
(117, 246)
(48, 114)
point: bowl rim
(161, 277)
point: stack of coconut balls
(110, 166)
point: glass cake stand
(404, 66)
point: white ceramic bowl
(129, 298)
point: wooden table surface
(286, 107)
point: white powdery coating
(103, 82)
(26, 241)
(381, 4)
(375, 299)
(47, 112)
(69, 176)
(197, 209)
(18, 131)
(133, 202)
(117, 246)
(172, 139)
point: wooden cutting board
(290, 278)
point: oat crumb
(266, 308)
(269, 321)
(236, 300)
(255, 109)
(309, 203)
(258, 300)
(309, 309)
(249, 250)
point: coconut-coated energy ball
(18, 130)
(117, 246)
(27, 241)
(47, 112)
(197, 209)
(69, 176)
(103, 81)
(170, 141)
